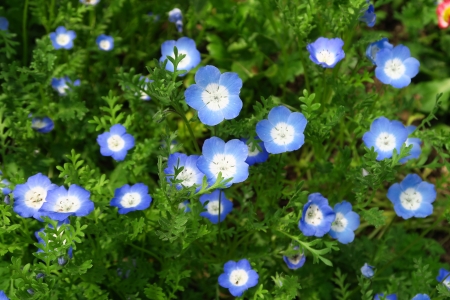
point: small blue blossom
(176, 17)
(185, 46)
(388, 297)
(317, 216)
(367, 270)
(396, 66)
(444, 277)
(184, 206)
(61, 203)
(90, 2)
(283, 131)
(62, 38)
(226, 158)
(416, 150)
(412, 197)
(212, 207)
(421, 297)
(116, 142)
(4, 24)
(255, 155)
(130, 198)
(105, 42)
(60, 84)
(295, 261)
(369, 15)
(190, 175)
(147, 81)
(179, 25)
(215, 96)
(30, 196)
(346, 222)
(4, 186)
(374, 48)
(3, 296)
(326, 52)
(385, 136)
(42, 125)
(238, 277)
(42, 242)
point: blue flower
(295, 261)
(116, 142)
(345, 223)
(179, 25)
(4, 186)
(374, 48)
(184, 206)
(212, 208)
(42, 125)
(421, 297)
(385, 136)
(416, 150)
(283, 131)
(62, 38)
(105, 42)
(367, 270)
(326, 52)
(238, 277)
(396, 66)
(61, 203)
(4, 23)
(412, 197)
(60, 84)
(42, 242)
(3, 296)
(317, 216)
(444, 277)
(90, 2)
(226, 158)
(30, 196)
(369, 15)
(388, 297)
(190, 175)
(215, 95)
(185, 46)
(130, 198)
(144, 96)
(176, 17)
(255, 156)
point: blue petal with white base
(42, 125)
(326, 52)
(4, 23)
(190, 175)
(105, 42)
(5, 186)
(130, 198)
(387, 297)
(367, 270)
(444, 277)
(185, 46)
(255, 155)
(412, 197)
(238, 277)
(317, 216)
(60, 84)
(421, 297)
(369, 16)
(212, 207)
(3, 296)
(176, 17)
(282, 131)
(184, 206)
(30, 196)
(62, 38)
(116, 142)
(385, 136)
(375, 47)
(295, 261)
(346, 222)
(416, 150)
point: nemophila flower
(116, 142)
(190, 175)
(421, 297)
(4, 23)
(226, 158)
(443, 13)
(369, 15)
(4, 186)
(30, 196)
(367, 270)
(375, 47)
(412, 197)
(90, 2)
(105, 42)
(61, 203)
(283, 131)
(295, 261)
(215, 96)
(185, 46)
(179, 25)
(416, 150)
(60, 84)
(3, 296)
(147, 81)
(62, 38)
(346, 222)
(175, 16)
(396, 66)
(42, 125)
(184, 206)
(130, 198)
(387, 297)
(317, 216)
(212, 207)
(326, 52)
(444, 277)
(385, 136)
(238, 277)
(255, 155)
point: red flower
(443, 12)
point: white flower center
(238, 277)
(62, 39)
(67, 204)
(184, 62)
(447, 283)
(215, 96)
(213, 207)
(254, 152)
(35, 197)
(39, 124)
(385, 142)
(144, 96)
(130, 200)
(326, 56)
(187, 176)
(295, 259)
(340, 223)
(223, 163)
(104, 45)
(62, 89)
(394, 68)
(282, 134)
(410, 199)
(115, 142)
(314, 215)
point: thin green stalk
(186, 122)
(220, 202)
(302, 59)
(25, 33)
(278, 177)
(146, 251)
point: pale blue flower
(255, 155)
(416, 150)
(105, 42)
(375, 47)
(367, 270)
(295, 261)
(212, 207)
(317, 216)
(60, 84)
(369, 15)
(444, 277)
(387, 297)
(42, 125)
(62, 38)
(185, 46)
(421, 297)
(326, 52)
(346, 222)
(131, 198)
(116, 142)
(190, 175)
(238, 277)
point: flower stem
(186, 122)
(24, 33)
